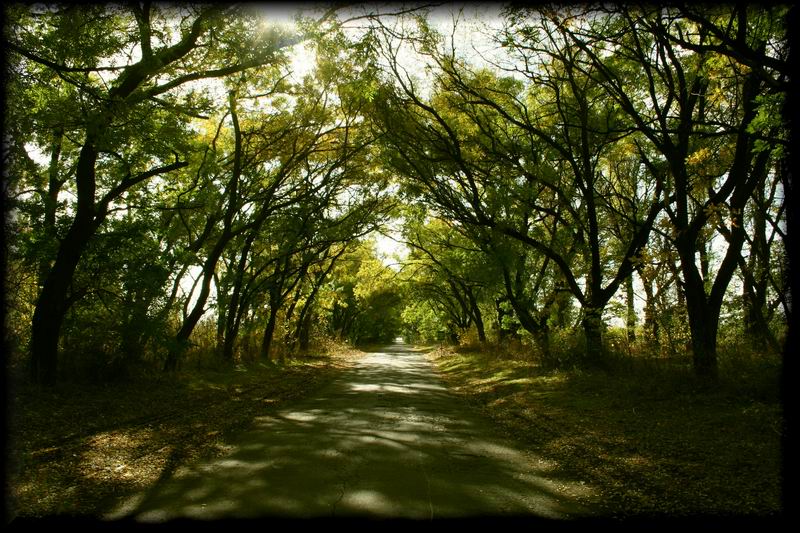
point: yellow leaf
(698, 157)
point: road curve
(384, 440)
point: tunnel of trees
(210, 181)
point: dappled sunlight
(301, 417)
(387, 440)
(636, 454)
(109, 454)
(367, 499)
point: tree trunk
(537, 328)
(291, 338)
(563, 304)
(304, 333)
(650, 321)
(593, 330)
(51, 307)
(231, 337)
(269, 332)
(702, 251)
(222, 309)
(269, 329)
(476, 315)
(501, 314)
(703, 321)
(51, 201)
(52, 304)
(452, 333)
(182, 337)
(302, 329)
(704, 340)
(756, 328)
(755, 274)
(234, 315)
(630, 321)
(303, 324)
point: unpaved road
(385, 439)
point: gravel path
(385, 439)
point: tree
(689, 105)
(509, 156)
(362, 303)
(130, 119)
(451, 261)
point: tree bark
(476, 314)
(755, 280)
(630, 319)
(650, 322)
(537, 328)
(593, 331)
(52, 305)
(181, 342)
(704, 337)
(269, 332)
(233, 315)
(304, 333)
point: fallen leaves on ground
(77, 450)
(648, 449)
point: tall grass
(639, 366)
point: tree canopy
(208, 177)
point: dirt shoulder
(76, 450)
(648, 445)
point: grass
(77, 450)
(649, 440)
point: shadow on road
(386, 439)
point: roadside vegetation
(647, 436)
(80, 449)
(594, 198)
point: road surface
(384, 440)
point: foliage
(593, 198)
(556, 145)
(167, 169)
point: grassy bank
(649, 441)
(78, 449)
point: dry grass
(649, 440)
(77, 450)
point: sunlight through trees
(613, 175)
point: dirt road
(385, 439)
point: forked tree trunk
(181, 341)
(476, 315)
